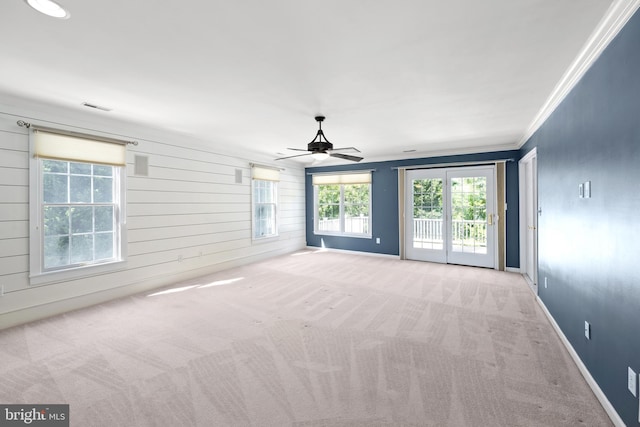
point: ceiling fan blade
(296, 149)
(290, 157)
(346, 148)
(346, 157)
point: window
(343, 204)
(78, 212)
(77, 220)
(265, 201)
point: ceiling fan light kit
(320, 155)
(320, 148)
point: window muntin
(343, 209)
(265, 208)
(79, 211)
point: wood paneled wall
(187, 218)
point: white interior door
(449, 216)
(529, 218)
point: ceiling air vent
(97, 107)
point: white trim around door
(450, 215)
(528, 202)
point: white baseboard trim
(512, 270)
(608, 407)
(317, 249)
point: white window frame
(37, 274)
(341, 217)
(260, 173)
(254, 208)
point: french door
(450, 217)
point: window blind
(265, 174)
(345, 178)
(60, 146)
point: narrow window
(264, 188)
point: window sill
(265, 239)
(355, 236)
(51, 277)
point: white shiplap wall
(187, 218)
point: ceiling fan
(320, 148)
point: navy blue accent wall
(589, 248)
(384, 204)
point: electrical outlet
(631, 381)
(587, 330)
(545, 282)
(377, 240)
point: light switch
(581, 191)
(587, 330)
(587, 190)
(631, 381)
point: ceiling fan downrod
(320, 143)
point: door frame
(524, 186)
(403, 200)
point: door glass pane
(469, 214)
(427, 214)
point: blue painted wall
(384, 204)
(589, 249)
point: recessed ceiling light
(49, 7)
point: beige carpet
(310, 339)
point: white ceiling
(390, 75)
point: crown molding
(609, 26)
(424, 154)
